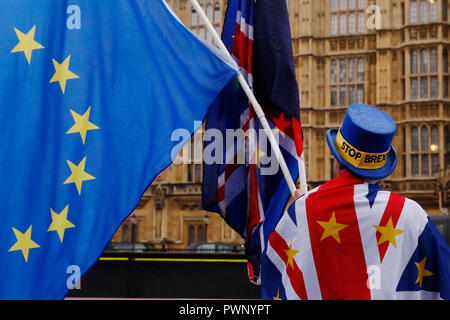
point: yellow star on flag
(291, 253)
(24, 242)
(278, 296)
(259, 155)
(278, 131)
(26, 43)
(82, 124)
(60, 222)
(78, 174)
(62, 73)
(331, 228)
(422, 271)
(388, 233)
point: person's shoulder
(414, 215)
(413, 206)
(304, 196)
(410, 206)
(300, 202)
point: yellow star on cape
(60, 222)
(422, 271)
(78, 174)
(26, 43)
(82, 124)
(291, 253)
(388, 233)
(62, 73)
(24, 242)
(331, 228)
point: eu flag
(90, 94)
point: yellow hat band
(359, 159)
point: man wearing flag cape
(348, 238)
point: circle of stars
(62, 73)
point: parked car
(215, 247)
(127, 247)
(443, 224)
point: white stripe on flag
(412, 221)
(305, 259)
(287, 232)
(246, 29)
(234, 185)
(367, 218)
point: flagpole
(256, 106)
(302, 174)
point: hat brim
(374, 174)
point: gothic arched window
(424, 149)
(361, 70)
(413, 61)
(191, 234)
(414, 139)
(125, 233)
(414, 148)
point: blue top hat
(363, 145)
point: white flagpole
(302, 175)
(256, 106)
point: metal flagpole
(256, 106)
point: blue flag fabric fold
(90, 93)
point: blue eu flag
(90, 94)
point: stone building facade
(388, 53)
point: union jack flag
(349, 239)
(257, 34)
